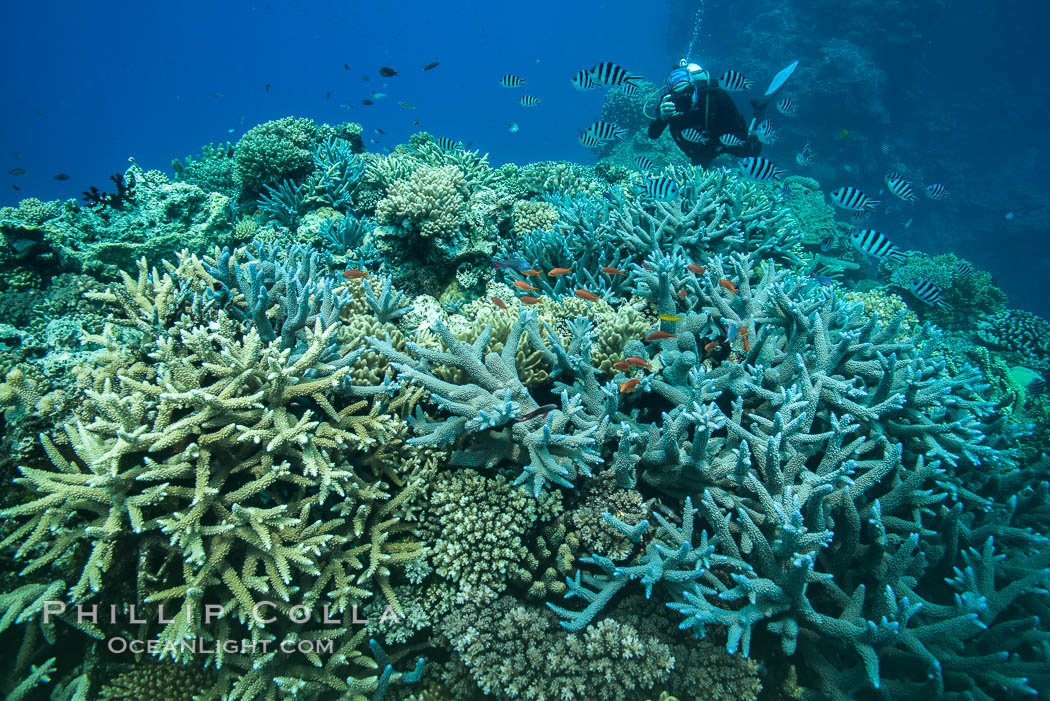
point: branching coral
(826, 424)
(231, 470)
(549, 447)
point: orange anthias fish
(622, 365)
(531, 273)
(355, 274)
(630, 385)
(584, 294)
(697, 269)
(522, 285)
(647, 266)
(555, 272)
(659, 336)
(713, 345)
(526, 299)
(500, 303)
(741, 333)
(609, 270)
(637, 362)
(727, 285)
(682, 294)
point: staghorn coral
(834, 489)
(228, 469)
(548, 450)
(900, 421)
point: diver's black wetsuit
(721, 116)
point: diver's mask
(681, 84)
(686, 76)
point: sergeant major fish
(735, 81)
(731, 140)
(928, 292)
(512, 81)
(805, 156)
(583, 80)
(877, 244)
(759, 168)
(900, 187)
(766, 133)
(589, 140)
(606, 131)
(644, 163)
(608, 73)
(936, 191)
(660, 189)
(853, 199)
(787, 107)
(693, 136)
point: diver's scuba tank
(692, 73)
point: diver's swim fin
(779, 79)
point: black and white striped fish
(766, 133)
(875, 243)
(608, 73)
(735, 81)
(805, 156)
(900, 187)
(760, 169)
(584, 80)
(529, 101)
(964, 269)
(590, 140)
(928, 292)
(787, 107)
(630, 90)
(660, 189)
(512, 81)
(851, 198)
(693, 136)
(606, 131)
(936, 191)
(644, 163)
(731, 140)
(446, 144)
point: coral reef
(688, 464)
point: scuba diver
(694, 101)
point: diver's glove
(667, 108)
